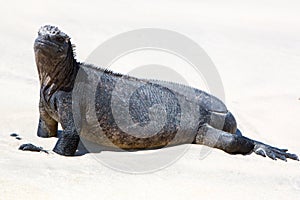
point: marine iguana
(58, 71)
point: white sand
(255, 47)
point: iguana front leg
(47, 126)
(67, 144)
(68, 141)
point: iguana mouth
(45, 43)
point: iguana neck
(58, 77)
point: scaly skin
(190, 115)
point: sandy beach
(255, 48)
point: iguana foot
(273, 152)
(31, 147)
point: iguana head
(53, 52)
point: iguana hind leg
(237, 144)
(225, 141)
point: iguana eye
(60, 39)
